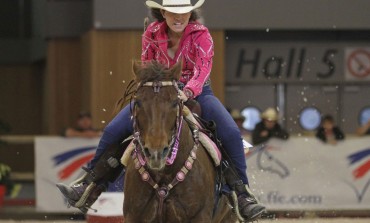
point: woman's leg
(114, 133)
(228, 133)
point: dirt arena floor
(311, 220)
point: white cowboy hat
(270, 114)
(175, 6)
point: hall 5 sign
(282, 62)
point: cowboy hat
(236, 115)
(270, 114)
(175, 6)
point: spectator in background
(268, 128)
(239, 120)
(83, 128)
(364, 130)
(11, 189)
(328, 132)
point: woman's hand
(192, 104)
(183, 96)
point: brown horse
(170, 177)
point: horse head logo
(266, 161)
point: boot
(83, 192)
(81, 195)
(249, 207)
(245, 204)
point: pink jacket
(195, 48)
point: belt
(208, 82)
(182, 85)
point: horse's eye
(138, 104)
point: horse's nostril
(146, 152)
(165, 151)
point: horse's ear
(136, 65)
(176, 70)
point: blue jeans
(212, 109)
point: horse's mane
(153, 71)
(145, 72)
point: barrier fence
(300, 174)
(305, 174)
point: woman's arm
(339, 135)
(279, 132)
(257, 136)
(363, 129)
(204, 51)
(320, 134)
(148, 48)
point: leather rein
(139, 157)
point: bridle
(179, 119)
(138, 153)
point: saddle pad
(128, 151)
(211, 148)
(207, 143)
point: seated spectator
(364, 130)
(239, 120)
(11, 189)
(328, 132)
(83, 128)
(268, 128)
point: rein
(139, 160)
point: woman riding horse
(175, 36)
(170, 173)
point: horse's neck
(186, 144)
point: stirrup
(235, 206)
(82, 201)
(85, 200)
(84, 209)
(85, 178)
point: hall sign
(282, 62)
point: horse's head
(157, 110)
(267, 162)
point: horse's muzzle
(156, 159)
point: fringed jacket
(195, 49)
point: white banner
(298, 174)
(305, 174)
